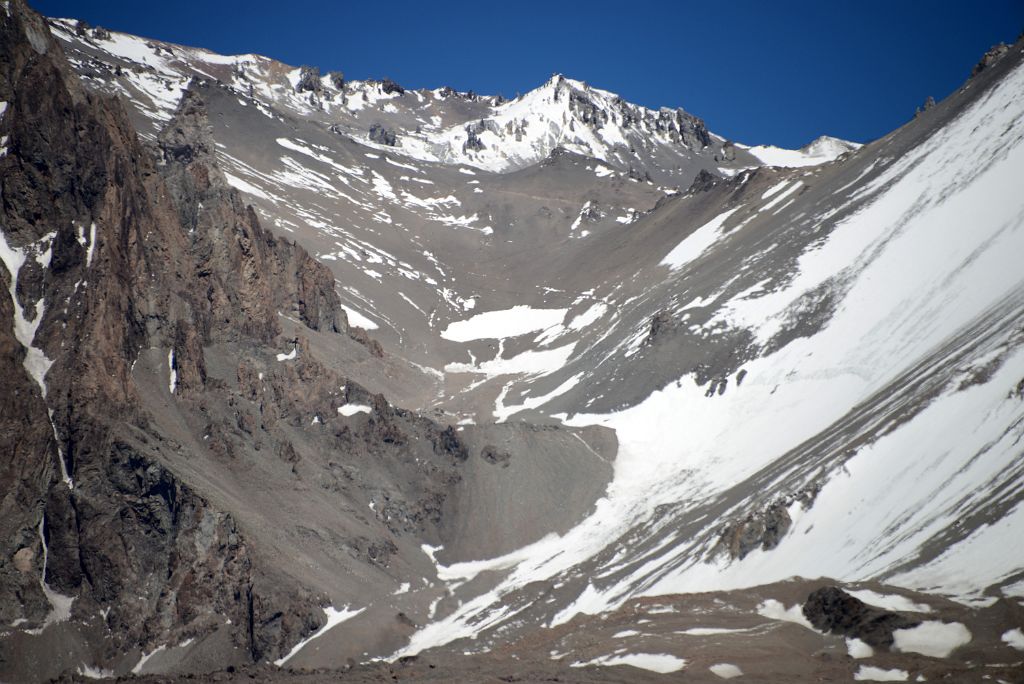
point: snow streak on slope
(908, 405)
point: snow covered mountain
(596, 394)
(439, 125)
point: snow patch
(353, 409)
(775, 610)
(172, 372)
(869, 673)
(858, 649)
(653, 662)
(1014, 637)
(726, 670)
(931, 638)
(503, 323)
(358, 319)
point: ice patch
(289, 356)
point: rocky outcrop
(389, 87)
(763, 529)
(337, 79)
(704, 181)
(993, 55)
(309, 80)
(241, 267)
(473, 142)
(383, 135)
(661, 322)
(830, 609)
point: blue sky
(779, 72)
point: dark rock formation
(382, 135)
(473, 141)
(661, 323)
(390, 87)
(309, 80)
(764, 530)
(705, 180)
(728, 151)
(337, 79)
(993, 55)
(830, 609)
(683, 127)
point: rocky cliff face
(116, 260)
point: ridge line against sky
(777, 73)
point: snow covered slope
(887, 433)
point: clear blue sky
(777, 72)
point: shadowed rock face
(830, 609)
(138, 262)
